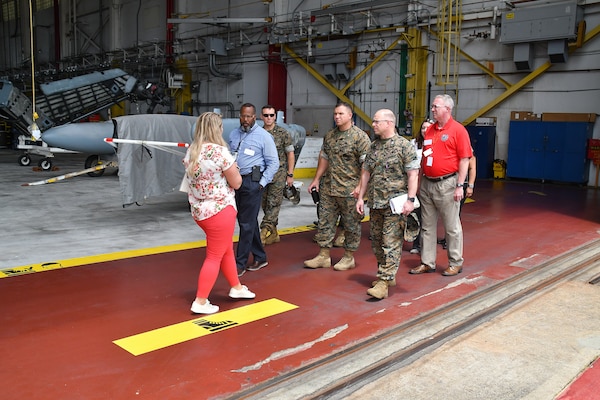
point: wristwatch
(411, 199)
(290, 175)
(471, 186)
(459, 185)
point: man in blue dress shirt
(256, 156)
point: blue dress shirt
(255, 147)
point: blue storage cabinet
(483, 141)
(553, 151)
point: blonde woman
(212, 176)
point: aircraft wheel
(24, 160)
(93, 161)
(45, 164)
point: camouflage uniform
(273, 193)
(345, 151)
(387, 162)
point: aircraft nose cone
(87, 137)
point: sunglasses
(268, 115)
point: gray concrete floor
(532, 352)
(83, 216)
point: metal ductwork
(212, 67)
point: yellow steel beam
(416, 81)
(527, 79)
(484, 68)
(474, 61)
(338, 93)
(512, 90)
(373, 63)
(183, 96)
(416, 88)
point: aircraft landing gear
(24, 160)
(45, 164)
(94, 161)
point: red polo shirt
(449, 144)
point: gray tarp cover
(145, 171)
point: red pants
(219, 251)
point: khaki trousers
(437, 200)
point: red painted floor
(58, 326)
(585, 386)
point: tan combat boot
(346, 263)
(379, 291)
(340, 240)
(322, 260)
(271, 237)
(389, 283)
(263, 235)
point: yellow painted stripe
(178, 333)
(121, 255)
(305, 173)
(79, 261)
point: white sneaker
(415, 250)
(242, 293)
(205, 308)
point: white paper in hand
(397, 203)
(184, 187)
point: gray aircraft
(144, 171)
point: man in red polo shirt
(446, 153)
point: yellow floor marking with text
(178, 333)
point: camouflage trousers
(332, 207)
(387, 238)
(272, 199)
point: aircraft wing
(65, 100)
(69, 100)
(146, 171)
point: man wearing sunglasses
(273, 193)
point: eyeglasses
(268, 115)
(378, 121)
(437, 106)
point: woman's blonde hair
(209, 129)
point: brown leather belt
(439, 178)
